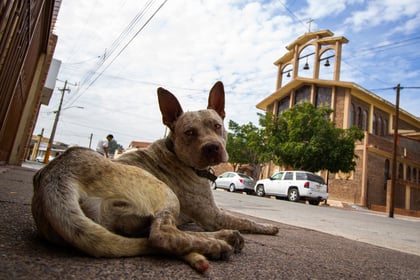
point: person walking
(103, 145)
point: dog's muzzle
(211, 150)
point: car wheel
(232, 188)
(213, 185)
(293, 195)
(314, 202)
(260, 190)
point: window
(277, 176)
(323, 97)
(352, 115)
(400, 171)
(387, 173)
(374, 124)
(385, 127)
(380, 127)
(315, 178)
(283, 104)
(300, 176)
(359, 118)
(288, 176)
(365, 120)
(408, 175)
(414, 175)
(303, 94)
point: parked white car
(295, 186)
(233, 181)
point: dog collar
(205, 173)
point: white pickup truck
(295, 186)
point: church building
(304, 75)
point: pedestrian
(102, 147)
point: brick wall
(376, 183)
(347, 189)
(339, 107)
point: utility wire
(293, 15)
(108, 52)
(116, 43)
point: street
(400, 233)
(297, 252)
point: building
(38, 148)
(302, 77)
(138, 145)
(27, 45)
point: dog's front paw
(272, 230)
(233, 238)
(221, 252)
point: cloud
(188, 46)
(383, 11)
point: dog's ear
(169, 107)
(217, 99)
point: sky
(115, 54)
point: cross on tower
(310, 20)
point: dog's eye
(189, 132)
(217, 126)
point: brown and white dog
(132, 205)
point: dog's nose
(210, 149)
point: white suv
(295, 185)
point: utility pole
(57, 116)
(90, 140)
(391, 193)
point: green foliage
(304, 138)
(243, 143)
(113, 146)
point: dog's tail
(60, 219)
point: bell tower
(308, 55)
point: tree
(244, 146)
(304, 138)
(113, 146)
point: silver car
(234, 181)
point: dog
(133, 205)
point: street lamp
(79, 107)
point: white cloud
(383, 11)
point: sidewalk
(295, 253)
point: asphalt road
(295, 253)
(399, 233)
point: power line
(116, 43)
(293, 15)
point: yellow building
(303, 76)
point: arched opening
(306, 62)
(287, 74)
(326, 65)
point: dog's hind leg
(63, 221)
